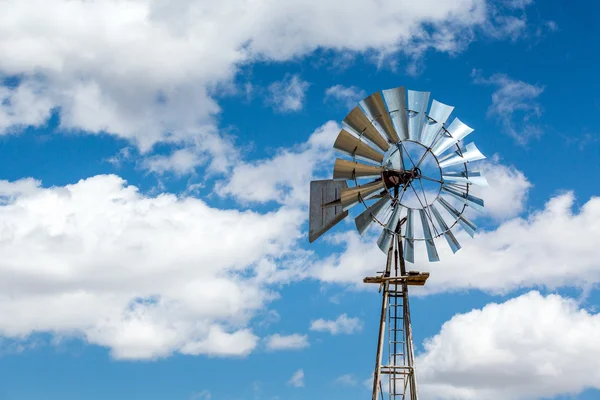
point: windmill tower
(409, 171)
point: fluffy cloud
(297, 380)
(146, 70)
(285, 177)
(514, 105)
(286, 342)
(341, 324)
(507, 194)
(143, 276)
(529, 347)
(288, 95)
(553, 247)
(349, 96)
(346, 380)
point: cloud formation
(348, 96)
(147, 70)
(341, 325)
(288, 95)
(514, 105)
(297, 380)
(284, 178)
(287, 342)
(144, 276)
(527, 348)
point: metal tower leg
(397, 377)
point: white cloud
(288, 94)
(346, 380)
(203, 395)
(341, 325)
(508, 189)
(297, 380)
(285, 178)
(514, 105)
(349, 96)
(552, 247)
(146, 70)
(529, 347)
(143, 276)
(287, 342)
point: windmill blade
(409, 238)
(359, 122)
(344, 169)
(450, 238)
(456, 131)
(468, 199)
(395, 100)
(432, 253)
(375, 110)
(467, 225)
(470, 154)
(438, 115)
(351, 196)
(366, 218)
(385, 238)
(464, 177)
(354, 147)
(417, 108)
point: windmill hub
(394, 178)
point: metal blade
(351, 196)
(375, 110)
(438, 114)
(467, 225)
(344, 169)
(470, 154)
(417, 108)
(409, 242)
(432, 253)
(385, 239)
(450, 238)
(358, 121)
(365, 219)
(457, 131)
(469, 200)
(464, 177)
(354, 147)
(395, 100)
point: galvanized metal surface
(366, 218)
(349, 170)
(438, 114)
(374, 108)
(470, 154)
(417, 111)
(354, 147)
(457, 130)
(395, 100)
(358, 121)
(322, 219)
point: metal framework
(397, 377)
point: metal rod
(384, 301)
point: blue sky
(155, 162)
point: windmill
(409, 170)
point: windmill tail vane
(408, 169)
